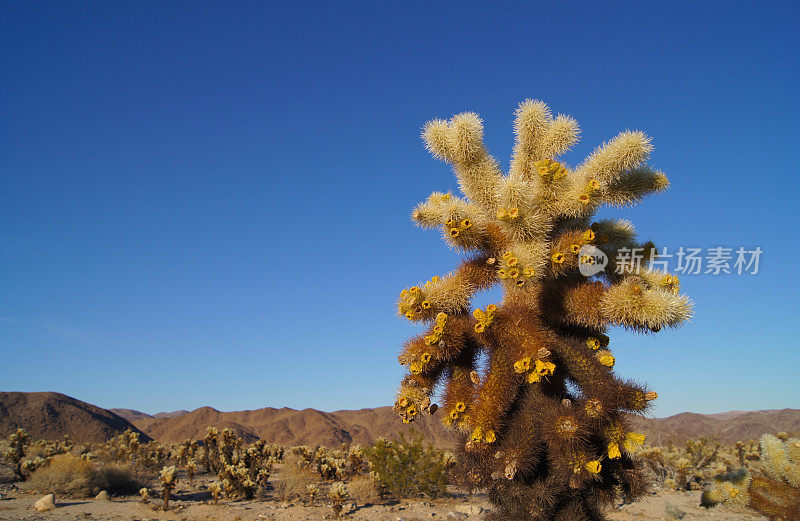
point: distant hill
(170, 414)
(292, 427)
(727, 427)
(130, 414)
(311, 427)
(133, 415)
(50, 416)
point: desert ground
(193, 503)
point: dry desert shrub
(72, 476)
(294, 480)
(65, 475)
(364, 489)
(120, 479)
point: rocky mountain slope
(52, 415)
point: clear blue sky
(206, 203)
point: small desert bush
(65, 475)
(294, 480)
(364, 489)
(72, 476)
(406, 467)
(120, 479)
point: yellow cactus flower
(480, 328)
(533, 377)
(511, 260)
(513, 213)
(454, 414)
(527, 272)
(584, 198)
(593, 467)
(415, 368)
(523, 365)
(501, 214)
(588, 235)
(607, 360)
(490, 437)
(613, 451)
(593, 343)
(557, 257)
(450, 222)
(425, 358)
(633, 440)
(409, 315)
(513, 273)
(575, 248)
(593, 185)
(466, 224)
(412, 411)
(402, 401)
(406, 420)
(454, 232)
(477, 434)
(545, 368)
(502, 274)
(431, 339)
(461, 406)
(650, 396)
(441, 318)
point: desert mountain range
(52, 415)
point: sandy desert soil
(193, 504)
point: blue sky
(206, 203)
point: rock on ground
(45, 503)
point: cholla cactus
(186, 451)
(215, 488)
(544, 451)
(337, 494)
(191, 468)
(210, 456)
(168, 477)
(17, 446)
(773, 492)
(243, 470)
(145, 493)
(312, 493)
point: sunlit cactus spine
(545, 452)
(773, 492)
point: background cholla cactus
(338, 494)
(210, 458)
(168, 477)
(546, 452)
(773, 492)
(17, 447)
(187, 451)
(145, 493)
(215, 488)
(191, 468)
